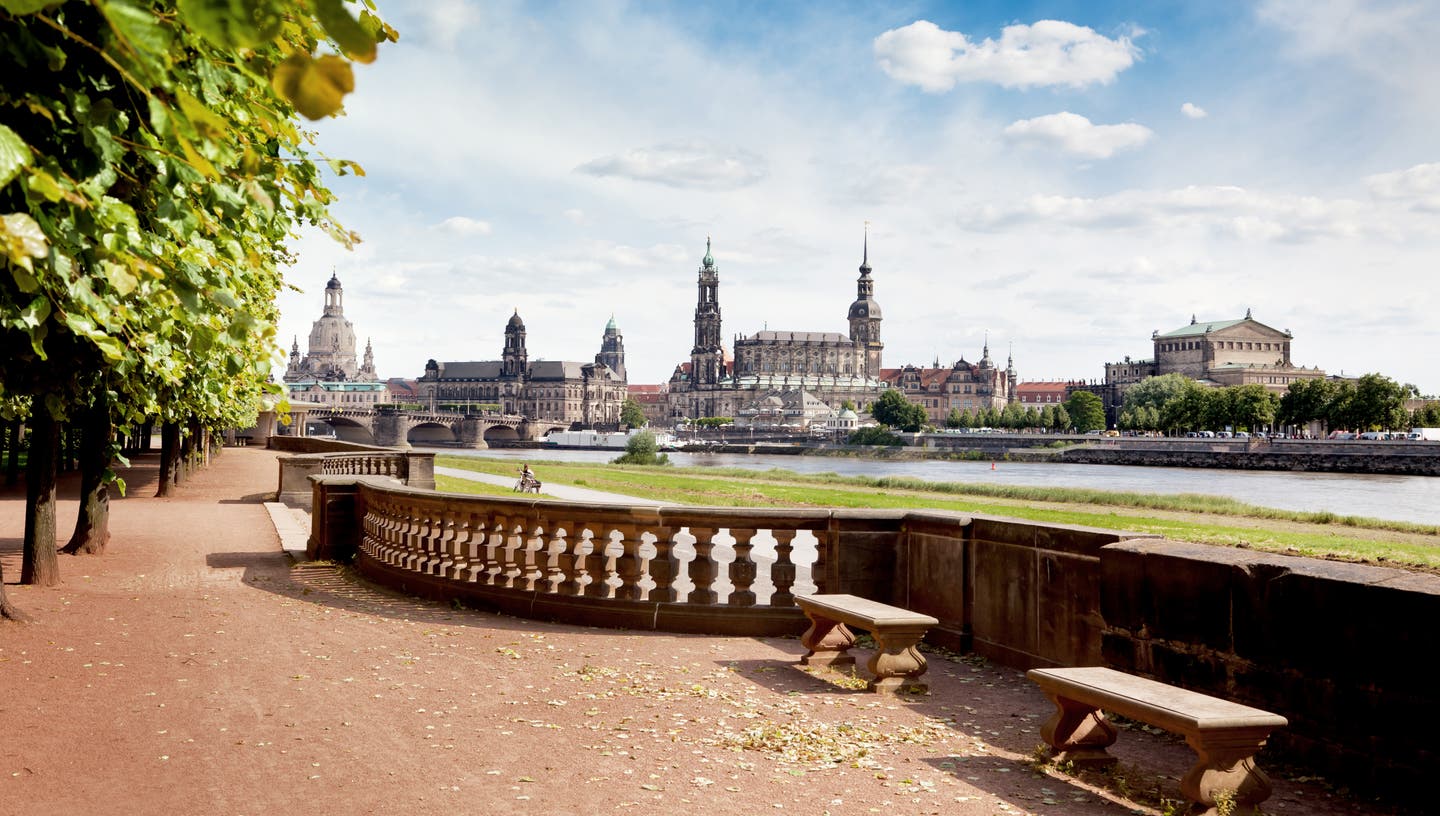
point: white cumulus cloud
(1193, 110)
(461, 225)
(1050, 52)
(1417, 186)
(683, 164)
(1078, 136)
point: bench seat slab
(896, 665)
(1224, 735)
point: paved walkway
(549, 489)
(193, 669)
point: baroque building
(1217, 353)
(963, 386)
(584, 394)
(828, 366)
(329, 372)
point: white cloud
(1078, 136)
(1418, 186)
(461, 225)
(574, 215)
(1193, 110)
(1223, 211)
(693, 164)
(1050, 52)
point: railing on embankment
(1331, 646)
(329, 457)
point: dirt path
(193, 670)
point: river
(1399, 498)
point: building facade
(329, 372)
(964, 386)
(583, 394)
(830, 366)
(1217, 353)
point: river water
(1400, 498)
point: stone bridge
(392, 428)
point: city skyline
(1068, 177)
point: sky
(1062, 178)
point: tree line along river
(1399, 498)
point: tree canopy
(1086, 411)
(894, 410)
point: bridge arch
(501, 433)
(348, 430)
(431, 433)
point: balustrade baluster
(601, 566)
(444, 539)
(573, 562)
(817, 569)
(628, 567)
(782, 572)
(532, 568)
(463, 530)
(703, 570)
(514, 543)
(555, 554)
(494, 546)
(742, 569)
(664, 567)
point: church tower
(865, 315)
(515, 360)
(707, 358)
(612, 350)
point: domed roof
(334, 282)
(610, 327)
(515, 322)
(848, 414)
(864, 308)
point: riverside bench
(896, 665)
(1225, 735)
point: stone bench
(1225, 735)
(896, 664)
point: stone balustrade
(406, 467)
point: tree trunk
(92, 525)
(169, 457)
(40, 564)
(7, 609)
(12, 451)
(147, 430)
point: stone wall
(1339, 649)
(1400, 460)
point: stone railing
(1277, 632)
(715, 570)
(406, 467)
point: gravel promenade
(195, 669)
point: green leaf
(353, 39)
(22, 240)
(120, 278)
(14, 154)
(141, 30)
(233, 24)
(27, 6)
(35, 313)
(316, 87)
(44, 185)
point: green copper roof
(1201, 327)
(609, 327)
(708, 260)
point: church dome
(515, 321)
(865, 308)
(334, 282)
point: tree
(894, 410)
(954, 419)
(1378, 403)
(642, 449)
(1086, 411)
(1156, 392)
(1251, 406)
(1306, 401)
(632, 415)
(874, 435)
(149, 182)
(1047, 418)
(1061, 418)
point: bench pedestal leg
(1078, 733)
(1226, 770)
(828, 642)
(897, 664)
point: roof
(1199, 328)
(637, 388)
(472, 370)
(797, 337)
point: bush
(642, 450)
(874, 436)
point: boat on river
(616, 440)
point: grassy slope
(1189, 517)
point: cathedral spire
(865, 252)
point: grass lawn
(1186, 517)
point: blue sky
(1066, 177)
